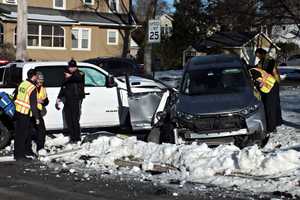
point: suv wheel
(163, 134)
(154, 135)
(4, 136)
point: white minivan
(109, 101)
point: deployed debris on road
(148, 167)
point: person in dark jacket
(270, 100)
(72, 94)
(26, 112)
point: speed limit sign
(154, 31)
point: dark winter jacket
(73, 87)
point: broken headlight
(250, 109)
(184, 116)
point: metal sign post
(154, 37)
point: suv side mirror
(110, 83)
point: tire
(4, 136)
(167, 135)
(154, 135)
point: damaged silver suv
(217, 103)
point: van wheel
(4, 136)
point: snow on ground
(274, 168)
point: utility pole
(151, 12)
(22, 30)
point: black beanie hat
(72, 63)
(31, 73)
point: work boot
(31, 155)
(23, 160)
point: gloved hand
(57, 104)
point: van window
(53, 75)
(93, 77)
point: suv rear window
(1, 75)
(118, 68)
(12, 76)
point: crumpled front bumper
(254, 123)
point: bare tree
(22, 25)
(121, 19)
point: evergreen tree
(234, 15)
(189, 26)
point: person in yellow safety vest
(26, 114)
(265, 81)
(43, 101)
(269, 88)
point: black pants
(39, 135)
(23, 129)
(272, 108)
(72, 117)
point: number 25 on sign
(154, 31)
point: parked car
(289, 73)
(3, 61)
(217, 103)
(117, 66)
(293, 60)
(171, 78)
(107, 102)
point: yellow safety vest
(41, 95)
(22, 101)
(266, 80)
(275, 72)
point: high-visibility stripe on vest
(266, 80)
(41, 95)
(22, 101)
(275, 72)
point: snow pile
(197, 163)
(197, 160)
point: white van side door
(100, 108)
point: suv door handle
(87, 93)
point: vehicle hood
(141, 84)
(136, 82)
(210, 104)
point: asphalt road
(34, 181)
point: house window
(88, 2)
(59, 4)
(33, 35)
(1, 34)
(48, 36)
(113, 5)
(112, 37)
(81, 38)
